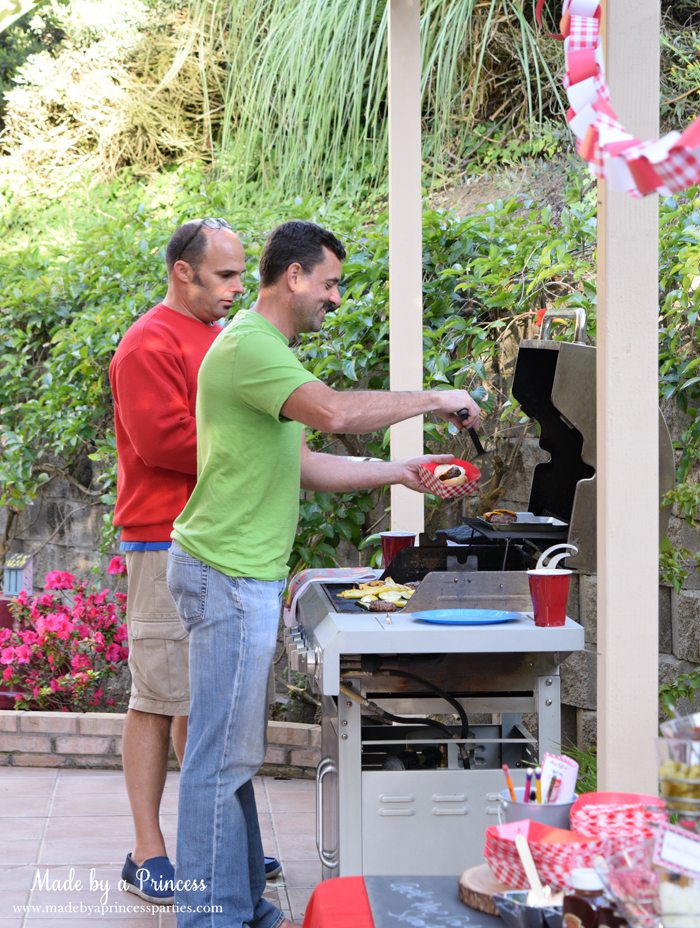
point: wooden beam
(627, 429)
(405, 244)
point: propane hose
(403, 720)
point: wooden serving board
(476, 887)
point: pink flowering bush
(65, 644)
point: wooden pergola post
(405, 244)
(627, 425)
(627, 377)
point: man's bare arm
(332, 473)
(359, 411)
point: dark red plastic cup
(549, 590)
(393, 542)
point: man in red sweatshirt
(153, 376)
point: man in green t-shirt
(228, 563)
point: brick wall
(72, 739)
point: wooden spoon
(539, 895)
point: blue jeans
(232, 624)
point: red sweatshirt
(154, 383)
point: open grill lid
(555, 384)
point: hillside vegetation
(121, 122)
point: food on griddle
(451, 475)
(388, 592)
(500, 516)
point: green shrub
(78, 279)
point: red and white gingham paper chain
(666, 165)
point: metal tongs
(485, 464)
(463, 414)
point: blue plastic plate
(465, 616)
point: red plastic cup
(549, 590)
(393, 542)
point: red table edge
(341, 902)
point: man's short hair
(296, 242)
(187, 244)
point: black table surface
(422, 902)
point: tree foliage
(97, 102)
(34, 33)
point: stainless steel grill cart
(403, 798)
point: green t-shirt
(242, 516)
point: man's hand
(410, 477)
(451, 402)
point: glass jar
(586, 904)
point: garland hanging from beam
(665, 165)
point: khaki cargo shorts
(158, 645)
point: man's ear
(293, 275)
(182, 272)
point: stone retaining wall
(679, 652)
(73, 739)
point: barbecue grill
(417, 718)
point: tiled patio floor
(66, 826)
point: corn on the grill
(386, 591)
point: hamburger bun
(451, 475)
(500, 516)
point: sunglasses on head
(202, 224)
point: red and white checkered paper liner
(618, 824)
(555, 852)
(666, 165)
(437, 487)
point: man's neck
(172, 301)
(276, 311)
